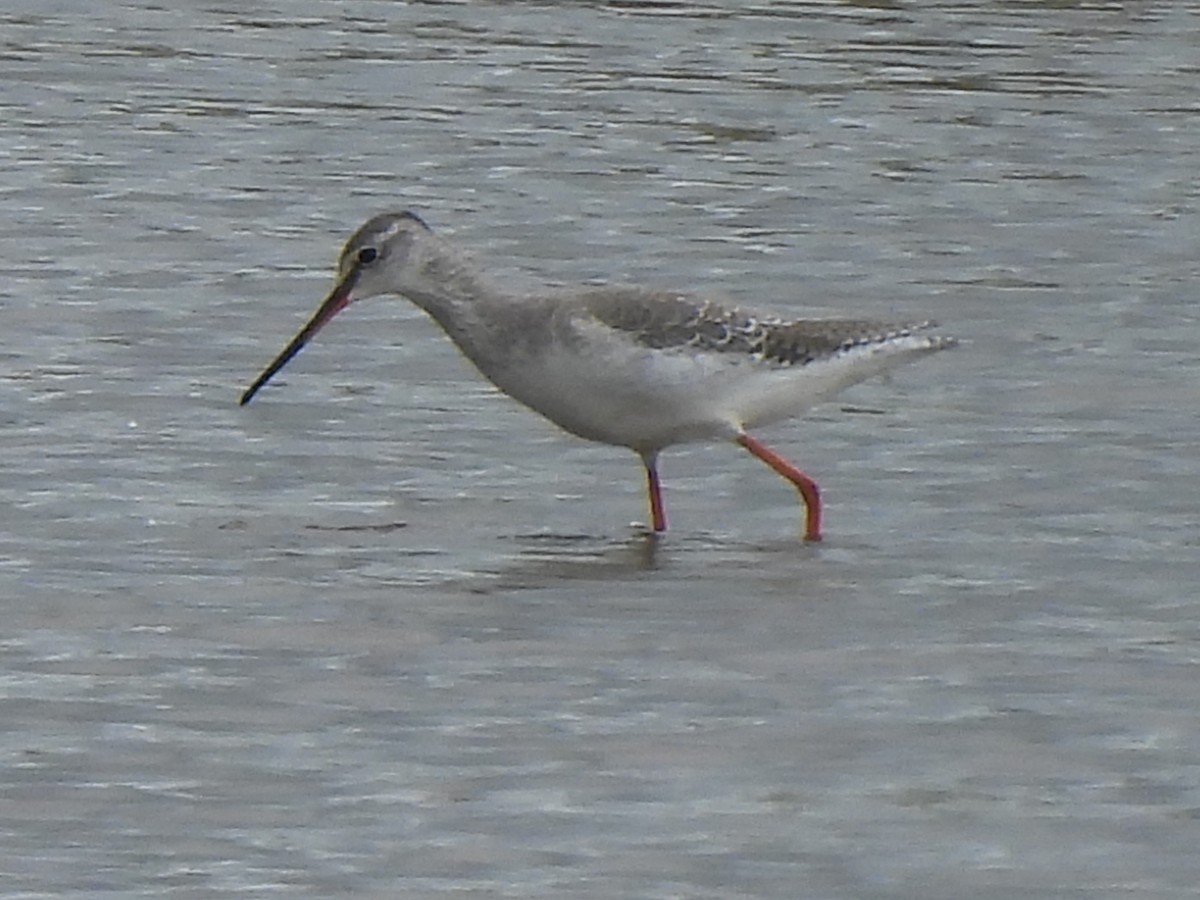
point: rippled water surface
(385, 633)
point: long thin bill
(338, 300)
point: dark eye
(367, 255)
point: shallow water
(385, 633)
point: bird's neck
(458, 297)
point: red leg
(807, 487)
(657, 515)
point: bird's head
(381, 257)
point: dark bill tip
(338, 300)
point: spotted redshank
(620, 365)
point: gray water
(383, 633)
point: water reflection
(546, 558)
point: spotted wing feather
(665, 321)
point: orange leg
(807, 487)
(658, 515)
